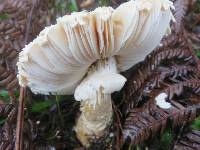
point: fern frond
(7, 133)
(181, 7)
(144, 70)
(190, 141)
(142, 123)
(17, 26)
(177, 89)
(169, 70)
(8, 79)
(7, 52)
(5, 109)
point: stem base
(94, 120)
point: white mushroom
(161, 101)
(85, 52)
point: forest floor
(49, 120)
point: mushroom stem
(93, 121)
(94, 92)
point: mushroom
(161, 101)
(84, 53)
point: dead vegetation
(172, 68)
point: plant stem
(20, 120)
(59, 111)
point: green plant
(2, 121)
(38, 107)
(198, 54)
(4, 17)
(4, 96)
(198, 5)
(167, 139)
(196, 124)
(73, 6)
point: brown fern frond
(13, 26)
(181, 7)
(171, 71)
(156, 79)
(8, 79)
(5, 109)
(6, 137)
(7, 132)
(177, 71)
(142, 123)
(19, 23)
(177, 89)
(170, 41)
(7, 52)
(146, 119)
(189, 141)
(16, 20)
(145, 69)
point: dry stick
(29, 20)
(20, 120)
(20, 116)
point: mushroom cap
(59, 58)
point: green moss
(167, 139)
(2, 121)
(4, 95)
(4, 17)
(41, 106)
(196, 124)
(198, 53)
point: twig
(20, 120)
(59, 111)
(20, 116)
(29, 20)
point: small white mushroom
(161, 101)
(83, 54)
